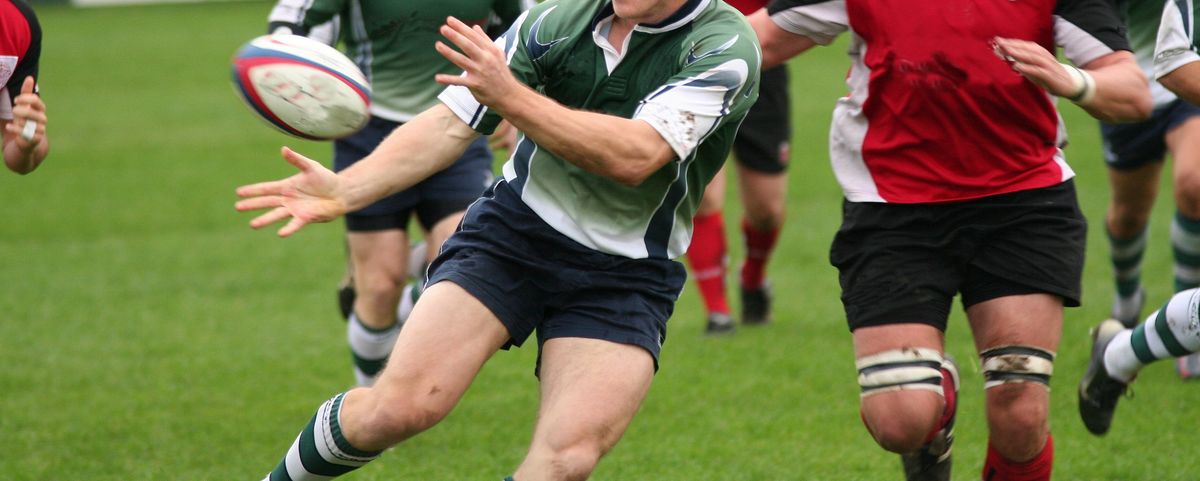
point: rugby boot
(719, 323)
(756, 305)
(1099, 393)
(1188, 366)
(932, 462)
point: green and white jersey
(392, 42)
(1176, 43)
(1142, 18)
(691, 77)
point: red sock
(1037, 469)
(707, 257)
(759, 244)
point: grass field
(147, 333)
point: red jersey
(748, 6)
(933, 115)
(20, 48)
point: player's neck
(625, 21)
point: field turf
(147, 333)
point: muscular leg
(1133, 193)
(900, 420)
(1184, 144)
(378, 259)
(763, 198)
(1017, 412)
(448, 338)
(590, 390)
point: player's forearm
(1184, 82)
(627, 151)
(1122, 92)
(25, 161)
(428, 143)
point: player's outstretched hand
(486, 67)
(306, 197)
(1036, 64)
(28, 126)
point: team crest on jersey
(537, 48)
(693, 58)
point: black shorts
(903, 263)
(533, 278)
(1129, 146)
(442, 194)
(762, 141)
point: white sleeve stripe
(821, 22)
(1174, 46)
(1079, 46)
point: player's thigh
(590, 391)
(1184, 142)
(378, 256)
(1033, 319)
(444, 343)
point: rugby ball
(301, 86)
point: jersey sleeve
(462, 102)
(1088, 29)
(821, 21)
(1176, 44)
(27, 65)
(717, 85)
(507, 11)
(304, 17)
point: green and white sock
(1126, 257)
(1172, 331)
(1185, 243)
(321, 452)
(370, 348)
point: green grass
(147, 333)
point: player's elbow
(1182, 86)
(633, 168)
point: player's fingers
(274, 187)
(455, 57)
(301, 162)
(27, 86)
(447, 79)
(292, 226)
(460, 37)
(272, 216)
(477, 41)
(256, 203)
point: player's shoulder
(723, 29)
(562, 14)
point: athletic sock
(321, 451)
(707, 255)
(370, 348)
(759, 244)
(997, 468)
(1169, 332)
(1126, 256)
(1185, 243)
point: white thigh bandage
(1007, 364)
(900, 369)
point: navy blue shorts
(1129, 146)
(762, 140)
(533, 278)
(442, 194)
(904, 263)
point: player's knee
(397, 415)
(379, 288)
(766, 217)
(901, 396)
(1187, 194)
(1017, 379)
(572, 460)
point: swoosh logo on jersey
(748, 90)
(535, 47)
(693, 58)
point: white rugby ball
(302, 87)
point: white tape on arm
(1084, 86)
(29, 129)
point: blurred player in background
(22, 112)
(948, 149)
(1174, 330)
(627, 109)
(392, 43)
(1135, 153)
(762, 155)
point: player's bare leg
(1133, 194)
(448, 338)
(1184, 144)
(899, 420)
(380, 269)
(1017, 337)
(590, 390)
(764, 202)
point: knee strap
(899, 370)
(1007, 364)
